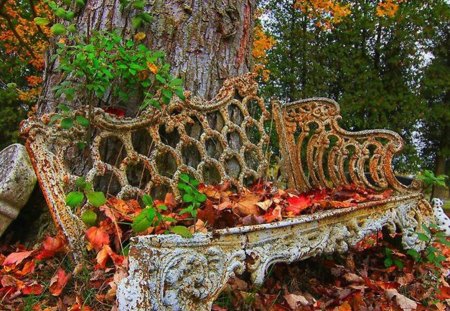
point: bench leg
(182, 279)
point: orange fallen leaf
(58, 282)
(97, 237)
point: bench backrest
(215, 141)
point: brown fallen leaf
(403, 302)
(294, 301)
(246, 205)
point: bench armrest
(318, 153)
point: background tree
(22, 45)
(370, 60)
(436, 123)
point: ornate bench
(224, 139)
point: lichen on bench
(216, 141)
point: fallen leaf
(51, 246)
(58, 282)
(10, 281)
(97, 237)
(403, 302)
(353, 278)
(34, 288)
(28, 268)
(246, 205)
(16, 258)
(265, 204)
(343, 307)
(294, 301)
(297, 204)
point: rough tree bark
(206, 41)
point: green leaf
(146, 17)
(167, 93)
(181, 230)
(162, 207)
(58, 29)
(74, 199)
(398, 263)
(413, 253)
(60, 12)
(66, 123)
(81, 182)
(55, 118)
(82, 121)
(388, 262)
(139, 5)
(180, 94)
(176, 82)
(136, 22)
(63, 108)
(141, 222)
(188, 198)
(147, 200)
(41, 21)
(81, 145)
(89, 217)
(72, 28)
(184, 177)
(160, 79)
(69, 15)
(96, 198)
(423, 237)
(79, 2)
(200, 197)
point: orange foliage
(327, 12)
(261, 44)
(22, 38)
(387, 8)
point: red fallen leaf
(34, 288)
(169, 200)
(208, 213)
(297, 204)
(118, 112)
(59, 281)
(16, 258)
(50, 247)
(28, 268)
(318, 195)
(97, 237)
(444, 293)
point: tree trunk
(205, 41)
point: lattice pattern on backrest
(216, 141)
(319, 154)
